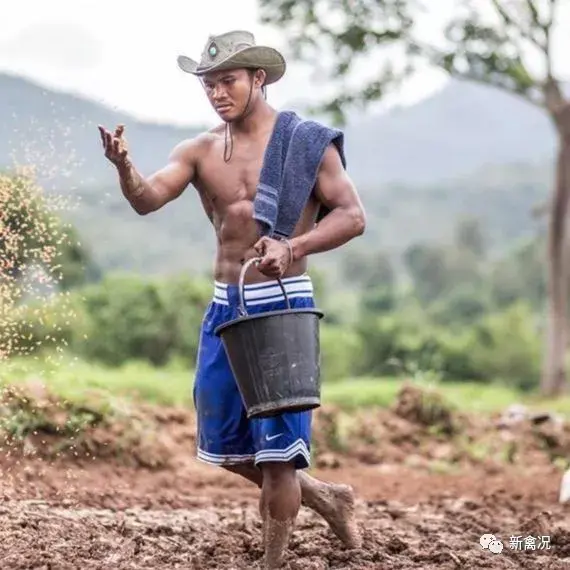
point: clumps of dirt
(434, 534)
(420, 427)
(35, 422)
(420, 430)
(553, 438)
(427, 408)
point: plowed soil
(428, 488)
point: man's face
(228, 91)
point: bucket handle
(246, 266)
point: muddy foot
(341, 517)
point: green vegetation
(112, 388)
(463, 396)
(485, 45)
(86, 359)
(81, 382)
(457, 310)
(125, 318)
(34, 236)
(428, 294)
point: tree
(75, 262)
(520, 274)
(34, 237)
(469, 236)
(491, 42)
(429, 269)
(39, 253)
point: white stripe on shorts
(268, 292)
(299, 447)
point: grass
(78, 381)
(466, 396)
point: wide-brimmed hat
(234, 50)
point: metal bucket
(274, 356)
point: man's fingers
(271, 273)
(102, 132)
(260, 246)
(263, 264)
(269, 266)
(113, 143)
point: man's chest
(227, 182)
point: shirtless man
(224, 164)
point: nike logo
(269, 438)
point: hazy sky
(123, 53)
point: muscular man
(224, 165)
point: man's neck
(255, 121)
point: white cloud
(60, 44)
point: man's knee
(281, 491)
(278, 473)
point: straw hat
(234, 50)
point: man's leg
(335, 503)
(278, 506)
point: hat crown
(232, 50)
(223, 46)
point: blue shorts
(225, 435)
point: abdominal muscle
(237, 233)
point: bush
(502, 346)
(131, 318)
(462, 306)
(506, 346)
(52, 323)
(127, 317)
(186, 299)
(395, 343)
(341, 352)
(378, 300)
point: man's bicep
(169, 182)
(334, 188)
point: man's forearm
(335, 229)
(136, 189)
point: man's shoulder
(196, 144)
(205, 137)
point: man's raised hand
(115, 145)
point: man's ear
(260, 77)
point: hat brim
(254, 57)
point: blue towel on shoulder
(289, 172)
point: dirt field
(428, 488)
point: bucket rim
(250, 317)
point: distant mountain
(462, 128)
(459, 129)
(416, 168)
